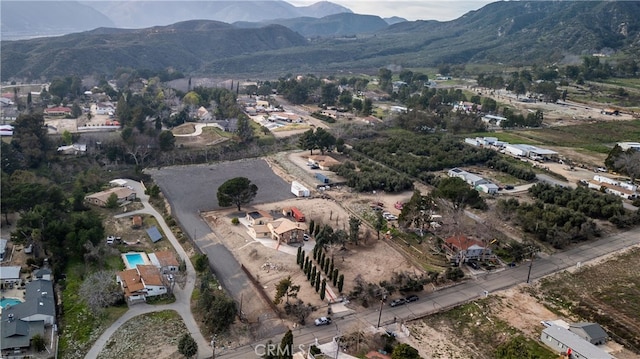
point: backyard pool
(132, 259)
(9, 301)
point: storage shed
(299, 190)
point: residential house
(59, 111)
(613, 189)
(203, 114)
(562, 340)
(165, 261)
(141, 282)
(470, 178)
(286, 231)
(73, 149)
(463, 249)
(3, 248)
(323, 161)
(104, 108)
(258, 217)
(10, 274)
(42, 273)
(101, 198)
(493, 120)
(629, 145)
(489, 188)
(21, 322)
(591, 332)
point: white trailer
(299, 190)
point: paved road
(182, 305)
(446, 298)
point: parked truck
(297, 214)
(322, 178)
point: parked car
(397, 302)
(473, 264)
(411, 298)
(315, 167)
(111, 239)
(306, 237)
(508, 187)
(322, 321)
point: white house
(516, 150)
(489, 188)
(493, 120)
(629, 145)
(10, 274)
(165, 261)
(562, 340)
(141, 282)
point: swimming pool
(9, 301)
(132, 259)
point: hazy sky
(411, 10)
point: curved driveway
(199, 127)
(182, 305)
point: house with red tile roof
(141, 282)
(57, 111)
(464, 248)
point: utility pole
(380, 314)
(533, 252)
(213, 347)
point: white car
(111, 239)
(322, 321)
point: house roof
(577, 344)
(149, 274)
(18, 333)
(154, 234)
(259, 214)
(463, 243)
(121, 192)
(3, 245)
(9, 272)
(325, 160)
(41, 272)
(57, 109)
(38, 300)
(613, 187)
(284, 225)
(167, 258)
(131, 281)
(593, 330)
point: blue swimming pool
(9, 301)
(133, 259)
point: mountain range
(28, 19)
(514, 32)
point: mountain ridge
(519, 33)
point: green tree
(458, 192)
(323, 288)
(285, 288)
(354, 229)
(38, 343)
(324, 140)
(30, 138)
(112, 201)
(244, 131)
(378, 224)
(67, 138)
(317, 281)
(201, 262)
(286, 345)
(405, 351)
(236, 191)
(187, 346)
(307, 141)
(340, 282)
(329, 93)
(221, 314)
(166, 141)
